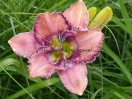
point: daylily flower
(61, 43)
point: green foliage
(110, 76)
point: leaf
(36, 86)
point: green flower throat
(62, 47)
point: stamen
(61, 39)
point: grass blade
(118, 61)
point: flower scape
(62, 43)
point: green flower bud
(102, 18)
(92, 12)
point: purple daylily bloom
(61, 42)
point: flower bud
(92, 12)
(102, 18)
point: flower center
(61, 48)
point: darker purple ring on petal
(79, 28)
(66, 21)
(77, 54)
(67, 33)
